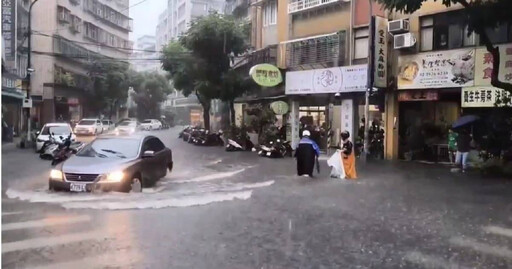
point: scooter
(276, 149)
(209, 139)
(49, 148)
(66, 149)
(235, 145)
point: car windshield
(111, 148)
(127, 123)
(56, 130)
(105, 122)
(146, 121)
(87, 122)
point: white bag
(337, 170)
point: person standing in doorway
(452, 145)
(306, 154)
(347, 156)
(463, 146)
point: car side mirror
(53, 133)
(38, 132)
(148, 154)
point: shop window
(445, 31)
(500, 34)
(270, 13)
(361, 43)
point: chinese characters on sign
(327, 80)
(482, 96)
(418, 95)
(381, 50)
(8, 30)
(443, 69)
(483, 65)
(266, 75)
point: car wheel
(136, 184)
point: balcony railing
(266, 55)
(302, 5)
(315, 52)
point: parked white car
(107, 125)
(89, 127)
(151, 124)
(57, 129)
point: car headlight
(115, 176)
(56, 174)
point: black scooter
(66, 149)
(276, 149)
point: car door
(148, 164)
(160, 158)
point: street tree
(481, 15)
(150, 90)
(234, 85)
(188, 75)
(200, 62)
(109, 85)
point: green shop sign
(279, 107)
(266, 75)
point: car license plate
(77, 187)
(269, 153)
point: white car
(56, 129)
(107, 125)
(89, 127)
(127, 128)
(151, 124)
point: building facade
(162, 32)
(322, 50)
(67, 36)
(145, 56)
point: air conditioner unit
(402, 41)
(398, 26)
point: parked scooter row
(201, 137)
(58, 150)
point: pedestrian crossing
(66, 240)
(471, 247)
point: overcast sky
(145, 16)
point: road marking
(45, 222)
(117, 259)
(429, 261)
(482, 247)
(498, 230)
(12, 213)
(51, 241)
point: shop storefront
(12, 112)
(429, 87)
(324, 99)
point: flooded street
(220, 209)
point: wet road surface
(236, 210)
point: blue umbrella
(465, 120)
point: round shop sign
(279, 107)
(266, 75)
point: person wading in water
(305, 154)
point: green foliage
(151, 89)
(199, 63)
(110, 81)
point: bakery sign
(482, 96)
(483, 65)
(327, 80)
(440, 69)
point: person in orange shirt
(347, 156)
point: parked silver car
(118, 163)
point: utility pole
(29, 68)
(369, 83)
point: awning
(10, 92)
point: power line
(53, 54)
(101, 45)
(136, 4)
